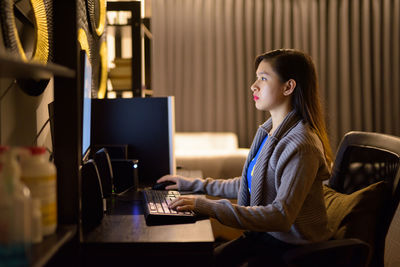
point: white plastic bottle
(37, 233)
(15, 213)
(39, 174)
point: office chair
(362, 161)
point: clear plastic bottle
(15, 213)
(39, 174)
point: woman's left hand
(183, 203)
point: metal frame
(135, 23)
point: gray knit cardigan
(286, 197)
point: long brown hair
(296, 65)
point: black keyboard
(156, 209)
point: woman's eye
(263, 79)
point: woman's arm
(297, 178)
(227, 188)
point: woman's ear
(289, 87)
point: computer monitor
(86, 84)
(145, 125)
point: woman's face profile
(268, 88)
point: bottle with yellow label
(39, 174)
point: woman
(280, 198)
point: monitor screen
(87, 103)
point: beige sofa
(215, 154)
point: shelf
(44, 251)
(11, 67)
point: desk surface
(123, 230)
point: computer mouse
(162, 185)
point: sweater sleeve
(227, 188)
(298, 175)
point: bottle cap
(37, 150)
(3, 149)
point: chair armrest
(344, 252)
(125, 174)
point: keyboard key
(159, 208)
(152, 206)
(169, 200)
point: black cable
(9, 87)
(51, 158)
(41, 130)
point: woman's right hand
(171, 178)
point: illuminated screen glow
(87, 106)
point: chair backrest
(364, 158)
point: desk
(123, 237)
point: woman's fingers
(172, 187)
(168, 177)
(183, 204)
(171, 178)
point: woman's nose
(253, 87)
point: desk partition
(145, 125)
